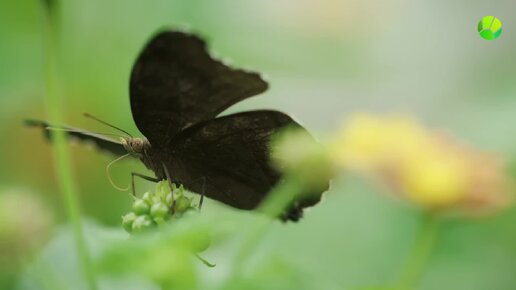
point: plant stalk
(419, 257)
(274, 205)
(61, 154)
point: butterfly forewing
(101, 142)
(175, 83)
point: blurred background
(323, 59)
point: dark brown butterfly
(177, 90)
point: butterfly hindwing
(232, 154)
(175, 83)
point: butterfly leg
(202, 193)
(148, 178)
(167, 174)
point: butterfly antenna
(109, 174)
(107, 124)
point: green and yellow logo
(490, 28)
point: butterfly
(177, 91)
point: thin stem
(418, 259)
(277, 201)
(60, 150)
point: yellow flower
(367, 141)
(425, 167)
(436, 178)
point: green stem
(278, 199)
(418, 259)
(60, 150)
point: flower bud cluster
(156, 208)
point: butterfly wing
(232, 154)
(175, 83)
(101, 142)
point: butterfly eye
(138, 147)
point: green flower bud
(162, 188)
(159, 210)
(159, 185)
(141, 222)
(296, 151)
(127, 221)
(166, 187)
(178, 191)
(183, 203)
(140, 207)
(147, 197)
(155, 199)
(169, 199)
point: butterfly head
(136, 146)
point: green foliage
(166, 255)
(273, 274)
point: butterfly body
(140, 148)
(137, 147)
